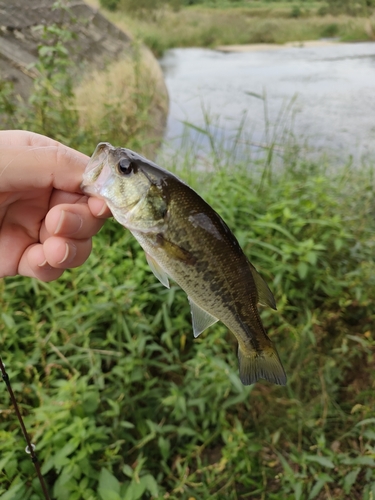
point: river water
(324, 94)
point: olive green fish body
(186, 240)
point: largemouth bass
(186, 240)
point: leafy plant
(52, 110)
(122, 402)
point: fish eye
(125, 167)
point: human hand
(46, 223)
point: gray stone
(97, 41)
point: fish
(187, 241)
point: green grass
(120, 399)
(228, 23)
(122, 402)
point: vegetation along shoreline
(120, 400)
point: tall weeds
(123, 403)
(126, 102)
(271, 22)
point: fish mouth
(97, 171)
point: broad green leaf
(185, 431)
(126, 425)
(287, 468)
(108, 494)
(135, 490)
(127, 470)
(298, 490)
(61, 457)
(312, 257)
(91, 402)
(277, 227)
(151, 485)
(369, 434)
(13, 492)
(302, 269)
(366, 421)
(316, 489)
(364, 461)
(338, 242)
(164, 446)
(5, 460)
(108, 482)
(45, 50)
(8, 320)
(325, 462)
(350, 479)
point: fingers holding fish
(64, 253)
(99, 208)
(33, 263)
(63, 240)
(74, 221)
(49, 260)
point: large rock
(97, 44)
(97, 40)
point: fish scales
(218, 268)
(186, 240)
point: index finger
(25, 138)
(40, 167)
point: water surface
(333, 86)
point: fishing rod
(30, 448)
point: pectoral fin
(175, 251)
(200, 318)
(157, 270)
(265, 296)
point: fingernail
(45, 265)
(103, 209)
(69, 223)
(70, 253)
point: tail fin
(261, 364)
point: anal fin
(201, 319)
